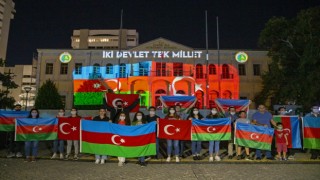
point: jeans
(216, 145)
(31, 146)
(258, 154)
(14, 146)
(141, 159)
(75, 144)
(181, 147)
(169, 147)
(101, 157)
(157, 147)
(55, 146)
(196, 147)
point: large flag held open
(28, 129)
(211, 129)
(257, 137)
(239, 104)
(174, 129)
(184, 101)
(127, 99)
(7, 119)
(69, 128)
(105, 138)
(292, 128)
(311, 132)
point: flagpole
(218, 49)
(207, 62)
(120, 44)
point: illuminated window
(161, 69)
(212, 69)
(143, 68)
(109, 69)
(160, 91)
(49, 68)
(78, 68)
(64, 68)
(180, 92)
(256, 70)
(177, 69)
(96, 68)
(122, 70)
(199, 71)
(242, 69)
(143, 97)
(225, 71)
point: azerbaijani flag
(311, 132)
(291, 126)
(183, 101)
(211, 129)
(239, 104)
(29, 129)
(105, 138)
(257, 137)
(7, 119)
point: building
(24, 76)
(6, 14)
(104, 39)
(155, 68)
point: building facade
(158, 67)
(6, 14)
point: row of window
(161, 69)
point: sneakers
(177, 159)
(67, 157)
(54, 156)
(211, 159)
(247, 158)
(120, 163)
(10, 155)
(61, 156)
(285, 159)
(19, 155)
(75, 157)
(168, 159)
(230, 157)
(217, 158)
(143, 164)
(291, 157)
(102, 161)
(148, 158)
(238, 157)
(97, 161)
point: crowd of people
(175, 148)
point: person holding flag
(233, 117)
(263, 118)
(58, 142)
(195, 145)
(122, 120)
(139, 119)
(115, 111)
(243, 119)
(31, 147)
(74, 114)
(150, 118)
(314, 113)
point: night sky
(49, 23)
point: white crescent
(61, 128)
(116, 81)
(114, 102)
(176, 79)
(34, 129)
(253, 134)
(113, 139)
(166, 129)
(287, 129)
(208, 129)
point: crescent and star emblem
(113, 139)
(170, 133)
(211, 129)
(254, 136)
(36, 129)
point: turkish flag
(127, 99)
(174, 129)
(69, 128)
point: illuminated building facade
(158, 67)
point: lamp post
(27, 89)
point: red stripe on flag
(37, 129)
(286, 123)
(108, 138)
(7, 120)
(211, 129)
(253, 136)
(310, 132)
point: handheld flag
(224, 104)
(184, 101)
(127, 99)
(7, 119)
(311, 132)
(292, 127)
(211, 129)
(174, 129)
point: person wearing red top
(281, 141)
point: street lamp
(27, 89)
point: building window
(225, 71)
(242, 69)
(49, 68)
(177, 69)
(78, 68)
(109, 69)
(243, 97)
(143, 68)
(64, 68)
(212, 69)
(63, 99)
(160, 69)
(256, 70)
(122, 70)
(180, 92)
(96, 68)
(199, 71)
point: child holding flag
(281, 142)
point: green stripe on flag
(210, 136)
(253, 144)
(38, 136)
(120, 151)
(7, 127)
(311, 143)
(277, 119)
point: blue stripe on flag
(178, 98)
(254, 128)
(313, 122)
(106, 127)
(210, 122)
(38, 121)
(14, 113)
(295, 132)
(233, 102)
